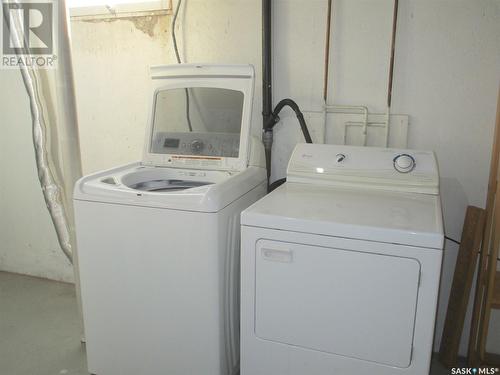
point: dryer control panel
(367, 167)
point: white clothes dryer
(341, 265)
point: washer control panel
(368, 167)
(198, 144)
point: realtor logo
(28, 36)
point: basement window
(116, 8)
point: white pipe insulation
(55, 132)
(55, 127)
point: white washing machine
(341, 265)
(158, 240)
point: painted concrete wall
(446, 79)
(111, 61)
(111, 64)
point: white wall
(111, 61)
(446, 79)
(111, 65)
(447, 76)
(225, 32)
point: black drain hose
(274, 119)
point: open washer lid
(200, 116)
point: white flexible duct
(55, 135)
(51, 187)
(55, 128)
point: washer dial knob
(404, 163)
(197, 146)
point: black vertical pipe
(270, 117)
(267, 99)
(267, 92)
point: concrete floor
(40, 332)
(39, 328)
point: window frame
(121, 10)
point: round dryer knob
(197, 146)
(339, 158)
(404, 163)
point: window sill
(140, 9)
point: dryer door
(344, 302)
